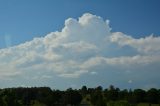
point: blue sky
(70, 43)
(23, 20)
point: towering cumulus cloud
(85, 46)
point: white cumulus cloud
(148, 45)
(81, 47)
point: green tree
(112, 93)
(139, 95)
(123, 95)
(84, 91)
(72, 97)
(45, 96)
(97, 98)
(152, 96)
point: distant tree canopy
(73, 97)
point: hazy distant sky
(70, 43)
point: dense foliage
(92, 96)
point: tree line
(116, 97)
(97, 96)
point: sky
(71, 43)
